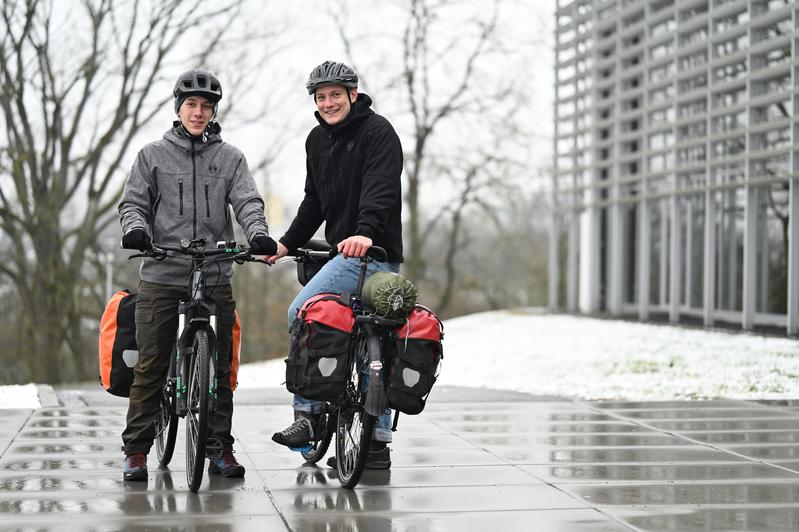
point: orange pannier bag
(117, 349)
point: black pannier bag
(319, 346)
(415, 363)
(117, 347)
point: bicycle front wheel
(354, 426)
(166, 422)
(326, 427)
(197, 414)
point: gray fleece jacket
(182, 188)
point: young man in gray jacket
(183, 186)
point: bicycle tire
(320, 447)
(166, 422)
(354, 427)
(197, 412)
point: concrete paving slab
(476, 461)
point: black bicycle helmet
(197, 82)
(331, 73)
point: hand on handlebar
(136, 239)
(263, 245)
(354, 246)
(282, 251)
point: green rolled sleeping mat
(389, 294)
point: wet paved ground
(473, 461)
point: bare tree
(466, 88)
(77, 85)
(451, 79)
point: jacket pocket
(207, 202)
(180, 196)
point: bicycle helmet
(197, 82)
(331, 73)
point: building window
(662, 116)
(693, 60)
(774, 30)
(660, 141)
(729, 122)
(662, 72)
(728, 147)
(661, 95)
(693, 37)
(693, 83)
(692, 131)
(692, 218)
(730, 21)
(729, 227)
(661, 50)
(772, 111)
(772, 140)
(727, 99)
(730, 72)
(773, 216)
(692, 108)
(729, 47)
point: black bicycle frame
(193, 315)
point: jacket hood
(361, 109)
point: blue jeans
(338, 276)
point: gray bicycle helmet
(197, 82)
(331, 73)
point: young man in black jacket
(353, 164)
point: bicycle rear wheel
(327, 428)
(197, 414)
(354, 426)
(166, 422)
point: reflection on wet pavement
(563, 466)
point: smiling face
(195, 113)
(333, 102)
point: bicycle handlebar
(238, 254)
(375, 253)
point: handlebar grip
(377, 253)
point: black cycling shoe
(379, 457)
(299, 434)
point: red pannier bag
(319, 347)
(416, 359)
(117, 348)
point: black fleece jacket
(352, 182)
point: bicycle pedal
(302, 449)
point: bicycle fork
(184, 353)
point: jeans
(338, 276)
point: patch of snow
(19, 396)
(590, 358)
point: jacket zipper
(180, 191)
(193, 192)
(207, 203)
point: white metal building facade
(676, 189)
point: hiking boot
(135, 467)
(379, 457)
(299, 434)
(225, 464)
